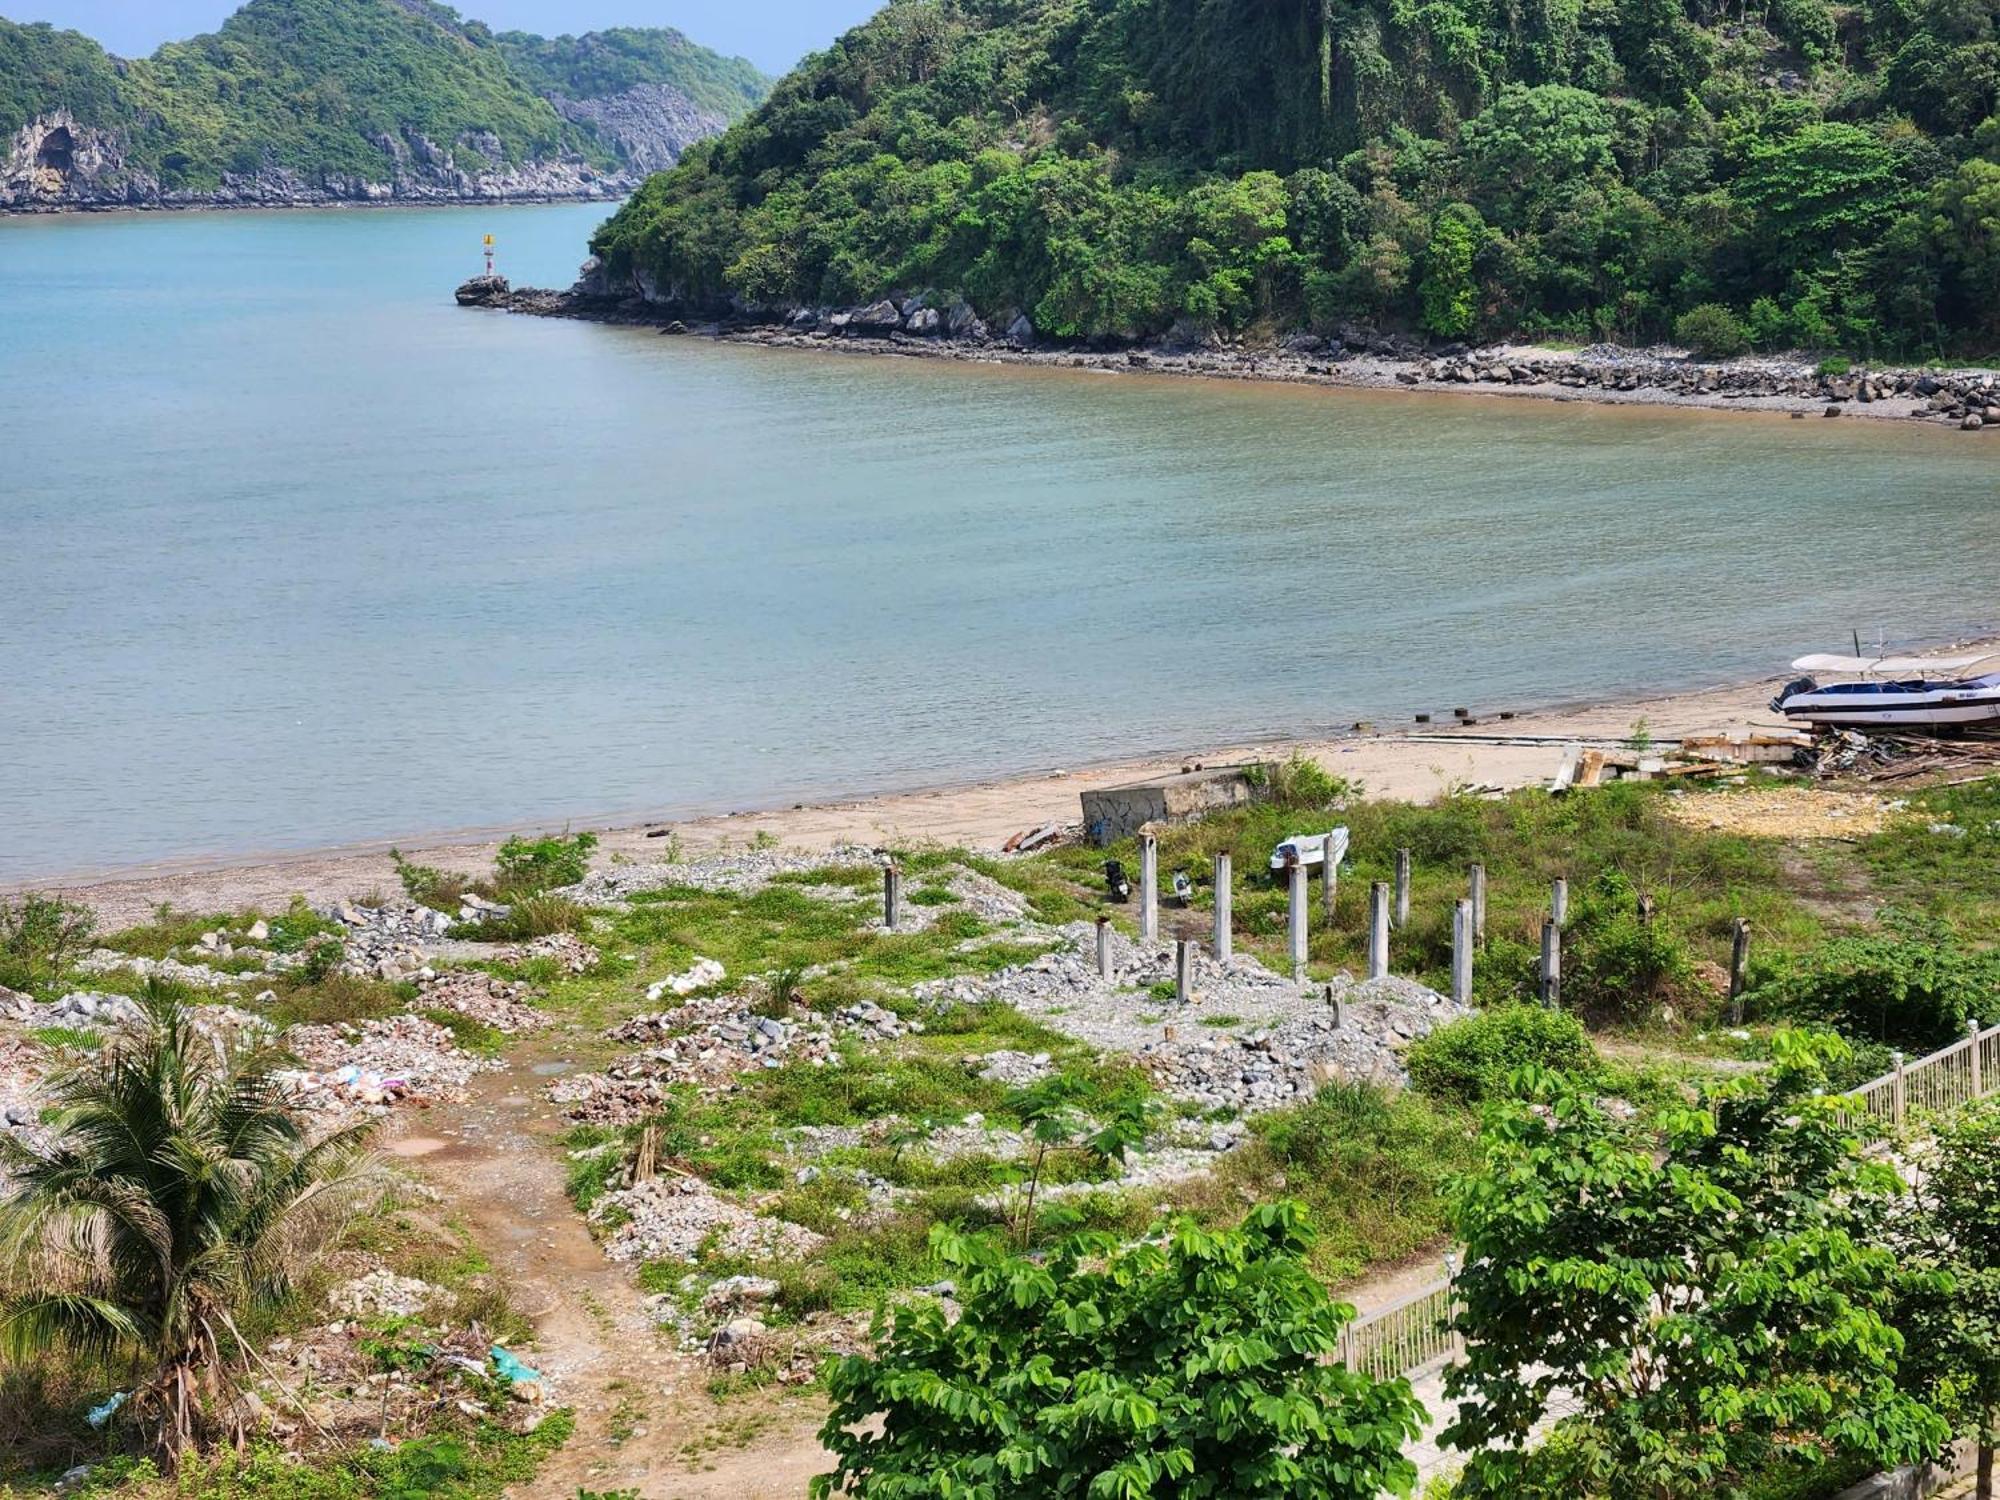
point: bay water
(295, 552)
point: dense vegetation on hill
(1801, 173)
(610, 62)
(345, 88)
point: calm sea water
(293, 551)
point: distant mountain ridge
(323, 101)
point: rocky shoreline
(925, 326)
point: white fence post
(1978, 1070)
(1898, 1096)
(1224, 936)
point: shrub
(1912, 986)
(40, 936)
(528, 866)
(1304, 784)
(1711, 331)
(441, 890)
(1472, 1059)
(533, 917)
(1107, 1368)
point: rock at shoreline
(484, 291)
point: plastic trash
(99, 1415)
(512, 1370)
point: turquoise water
(296, 552)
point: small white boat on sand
(1883, 692)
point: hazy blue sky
(774, 34)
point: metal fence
(1947, 1079)
(1408, 1337)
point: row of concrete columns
(1388, 909)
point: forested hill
(1797, 174)
(304, 100)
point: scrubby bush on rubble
(1162, 1369)
(183, 1192)
(525, 867)
(40, 936)
(1472, 1059)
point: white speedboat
(1885, 692)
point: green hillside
(331, 89)
(610, 62)
(1803, 174)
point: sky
(774, 34)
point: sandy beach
(1414, 763)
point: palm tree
(183, 1188)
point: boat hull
(1903, 710)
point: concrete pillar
(1224, 935)
(1149, 888)
(1184, 971)
(892, 896)
(1378, 931)
(1461, 953)
(1104, 947)
(1739, 968)
(1297, 925)
(1402, 889)
(1552, 957)
(1559, 902)
(1329, 881)
(1478, 893)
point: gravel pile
(707, 1043)
(388, 942)
(499, 1003)
(676, 1218)
(366, 1069)
(87, 1008)
(1361, 1037)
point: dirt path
(644, 1420)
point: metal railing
(1408, 1337)
(1949, 1078)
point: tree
(181, 1189)
(1823, 188)
(1198, 1364)
(39, 937)
(1711, 331)
(1448, 291)
(1706, 1299)
(1953, 1227)
(1530, 143)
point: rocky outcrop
(650, 124)
(55, 163)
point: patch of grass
(1369, 1164)
(529, 917)
(1222, 1021)
(335, 998)
(934, 895)
(473, 1035)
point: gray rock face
(924, 322)
(55, 163)
(877, 317)
(650, 124)
(1021, 332)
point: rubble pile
(87, 1008)
(1064, 989)
(380, 1063)
(702, 974)
(678, 1218)
(499, 1003)
(386, 942)
(1014, 1069)
(742, 871)
(571, 953)
(707, 1043)
(195, 976)
(24, 1068)
(381, 1294)
(1359, 1037)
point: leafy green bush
(40, 936)
(1711, 331)
(528, 866)
(1121, 1370)
(441, 890)
(1471, 1060)
(529, 917)
(1913, 985)
(1302, 784)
